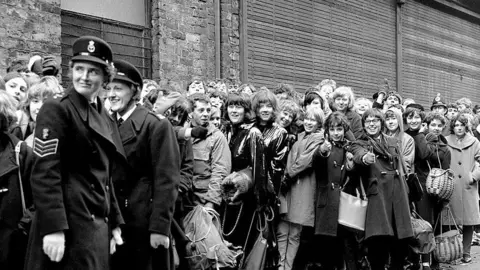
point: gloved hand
(54, 246)
(116, 240)
(157, 239)
(199, 132)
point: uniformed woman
(148, 194)
(78, 156)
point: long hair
(265, 96)
(243, 100)
(462, 118)
(8, 116)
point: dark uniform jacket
(12, 249)
(78, 156)
(147, 196)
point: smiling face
(120, 96)
(315, 103)
(201, 113)
(372, 126)
(310, 124)
(459, 129)
(336, 133)
(391, 122)
(265, 112)
(285, 119)
(435, 127)
(236, 114)
(341, 103)
(414, 121)
(215, 119)
(361, 106)
(17, 88)
(87, 78)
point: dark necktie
(119, 121)
(94, 106)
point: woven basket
(440, 183)
(449, 245)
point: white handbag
(353, 209)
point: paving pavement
(475, 265)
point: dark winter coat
(147, 196)
(12, 248)
(332, 174)
(388, 212)
(79, 155)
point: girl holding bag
(333, 165)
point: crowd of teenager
(110, 167)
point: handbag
(424, 240)
(449, 245)
(415, 190)
(26, 220)
(256, 258)
(440, 182)
(353, 209)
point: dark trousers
(385, 249)
(335, 252)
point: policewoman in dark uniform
(78, 155)
(148, 195)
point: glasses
(373, 121)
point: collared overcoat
(464, 164)
(12, 252)
(388, 211)
(147, 196)
(78, 156)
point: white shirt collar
(127, 114)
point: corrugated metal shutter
(441, 55)
(303, 42)
(129, 42)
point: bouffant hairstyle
(265, 96)
(462, 118)
(8, 116)
(344, 91)
(374, 113)
(337, 119)
(240, 99)
(466, 101)
(290, 106)
(285, 88)
(411, 111)
(435, 116)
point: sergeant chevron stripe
(45, 148)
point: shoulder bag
(353, 209)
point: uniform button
(459, 176)
(106, 219)
(93, 217)
(459, 163)
(107, 188)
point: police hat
(93, 49)
(438, 101)
(128, 73)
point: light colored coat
(464, 201)
(301, 197)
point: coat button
(106, 219)
(459, 176)
(459, 163)
(107, 188)
(93, 217)
(92, 186)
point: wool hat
(438, 101)
(93, 49)
(50, 66)
(164, 103)
(416, 106)
(35, 64)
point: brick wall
(28, 27)
(184, 41)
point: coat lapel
(7, 157)
(132, 126)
